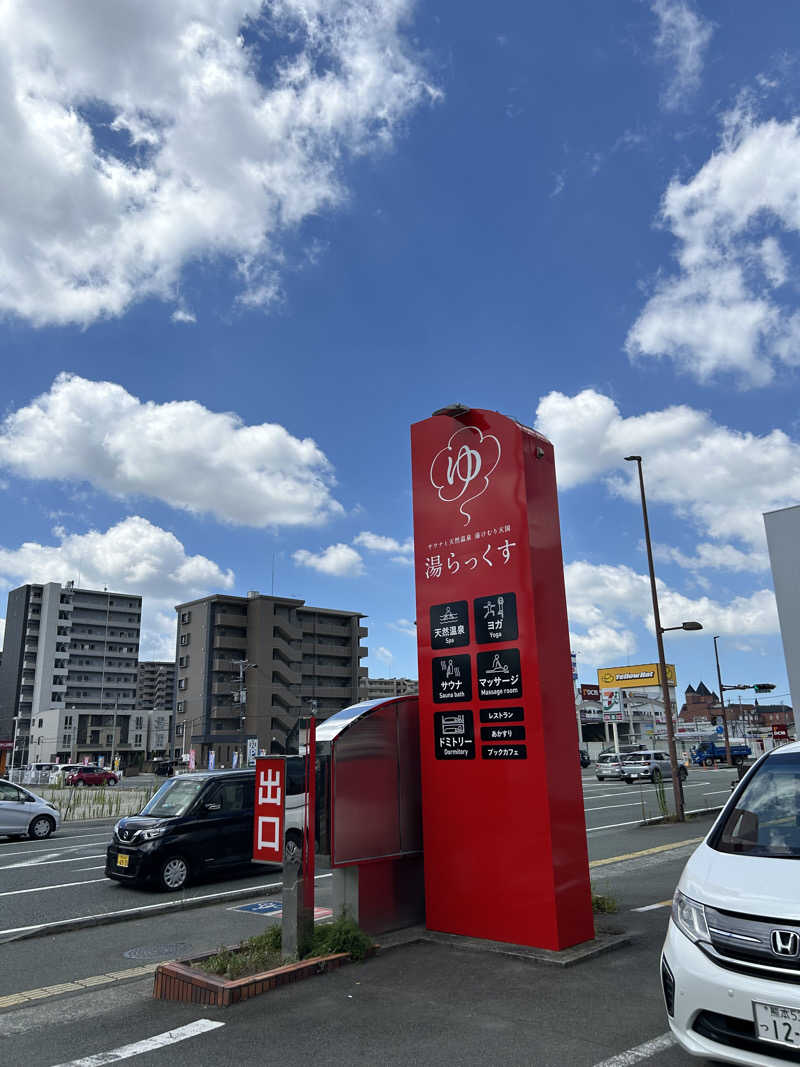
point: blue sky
(244, 246)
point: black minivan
(194, 825)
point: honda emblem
(784, 942)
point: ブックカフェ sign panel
(498, 735)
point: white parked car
(730, 966)
(23, 813)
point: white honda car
(730, 966)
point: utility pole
(244, 665)
(722, 703)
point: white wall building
(783, 541)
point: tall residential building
(292, 658)
(376, 688)
(155, 685)
(66, 647)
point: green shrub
(604, 905)
(343, 935)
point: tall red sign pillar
(501, 789)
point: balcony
(226, 619)
(284, 697)
(291, 653)
(234, 643)
(344, 650)
(290, 631)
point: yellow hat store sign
(640, 674)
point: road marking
(647, 851)
(50, 843)
(42, 889)
(621, 792)
(641, 1052)
(105, 916)
(80, 870)
(652, 907)
(170, 1037)
(13, 1000)
(49, 863)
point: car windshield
(766, 819)
(173, 798)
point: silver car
(609, 765)
(650, 766)
(23, 813)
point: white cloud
(404, 626)
(339, 561)
(140, 137)
(384, 655)
(600, 645)
(134, 556)
(181, 453)
(183, 316)
(723, 479)
(403, 550)
(714, 557)
(681, 40)
(726, 310)
(606, 599)
(2, 631)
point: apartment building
(379, 688)
(251, 667)
(64, 735)
(155, 685)
(66, 647)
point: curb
(185, 904)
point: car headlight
(155, 831)
(689, 917)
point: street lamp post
(722, 703)
(677, 785)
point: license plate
(122, 860)
(777, 1024)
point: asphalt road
(62, 878)
(421, 1004)
(424, 1004)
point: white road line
(49, 863)
(42, 889)
(80, 870)
(611, 826)
(165, 906)
(641, 1052)
(170, 1037)
(653, 907)
(54, 846)
(606, 807)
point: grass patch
(263, 952)
(603, 904)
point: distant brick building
(698, 704)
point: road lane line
(50, 844)
(169, 1037)
(636, 1055)
(104, 917)
(43, 888)
(49, 863)
(652, 907)
(647, 851)
(80, 870)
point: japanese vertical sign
(270, 802)
(498, 733)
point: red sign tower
(501, 789)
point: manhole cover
(173, 950)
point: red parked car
(92, 776)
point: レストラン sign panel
(497, 749)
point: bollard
(297, 924)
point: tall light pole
(677, 785)
(722, 703)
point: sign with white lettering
(454, 734)
(450, 624)
(270, 801)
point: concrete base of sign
(381, 895)
(604, 941)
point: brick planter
(181, 981)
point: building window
(66, 741)
(139, 722)
(185, 639)
(182, 683)
(41, 723)
(181, 706)
(137, 740)
(109, 739)
(67, 722)
(183, 661)
(186, 616)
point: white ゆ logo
(460, 471)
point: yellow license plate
(122, 861)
